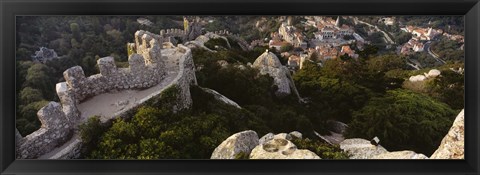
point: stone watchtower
(148, 45)
(337, 23)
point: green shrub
(322, 149)
(403, 120)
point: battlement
(173, 32)
(146, 69)
(148, 45)
(55, 130)
(222, 32)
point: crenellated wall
(55, 130)
(173, 33)
(146, 69)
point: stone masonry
(55, 130)
(146, 69)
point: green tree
(27, 120)
(75, 29)
(403, 120)
(38, 77)
(29, 95)
(23, 54)
(450, 89)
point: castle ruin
(151, 70)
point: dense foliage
(447, 49)
(403, 120)
(154, 132)
(255, 93)
(341, 87)
(448, 88)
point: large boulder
(296, 135)
(270, 136)
(432, 73)
(417, 78)
(336, 126)
(221, 97)
(242, 142)
(283, 136)
(281, 149)
(268, 63)
(332, 139)
(361, 148)
(452, 145)
(266, 138)
(400, 155)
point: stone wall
(55, 130)
(146, 69)
(172, 33)
(183, 80)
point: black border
(9, 8)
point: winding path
(428, 48)
(386, 36)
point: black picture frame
(9, 9)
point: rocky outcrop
(431, 74)
(270, 136)
(336, 126)
(242, 142)
(268, 63)
(417, 78)
(202, 39)
(220, 97)
(363, 149)
(400, 155)
(266, 138)
(270, 146)
(295, 135)
(452, 145)
(281, 149)
(332, 139)
(283, 136)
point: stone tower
(185, 24)
(337, 23)
(289, 20)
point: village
(332, 39)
